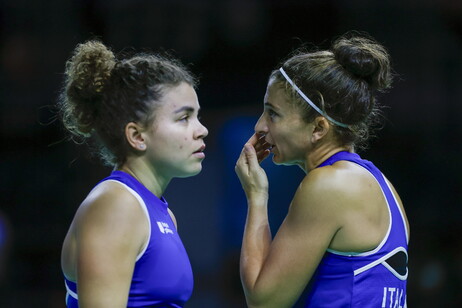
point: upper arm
(400, 204)
(110, 231)
(300, 243)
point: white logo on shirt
(395, 296)
(164, 227)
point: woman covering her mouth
(346, 230)
(122, 248)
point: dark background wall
(232, 46)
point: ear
(320, 129)
(135, 136)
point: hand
(262, 148)
(253, 178)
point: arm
(110, 231)
(400, 204)
(275, 272)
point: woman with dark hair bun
(122, 248)
(346, 231)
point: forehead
(177, 97)
(276, 95)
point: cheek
(280, 135)
(181, 146)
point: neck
(146, 175)
(321, 153)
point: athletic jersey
(162, 276)
(376, 278)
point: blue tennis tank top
(162, 276)
(375, 279)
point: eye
(271, 114)
(184, 118)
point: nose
(260, 126)
(201, 131)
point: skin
(110, 229)
(340, 207)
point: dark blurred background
(231, 46)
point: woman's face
(284, 128)
(175, 140)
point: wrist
(256, 199)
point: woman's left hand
(253, 178)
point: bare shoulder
(109, 219)
(107, 206)
(322, 188)
(110, 230)
(173, 217)
(316, 203)
(110, 198)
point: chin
(280, 162)
(191, 172)
(276, 160)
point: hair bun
(364, 58)
(90, 67)
(87, 72)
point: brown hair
(101, 94)
(343, 82)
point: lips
(200, 152)
(270, 146)
(201, 149)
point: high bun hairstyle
(343, 82)
(102, 94)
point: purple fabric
(335, 283)
(162, 276)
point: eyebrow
(185, 108)
(268, 104)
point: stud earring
(142, 146)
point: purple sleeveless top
(162, 276)
(375, 278)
